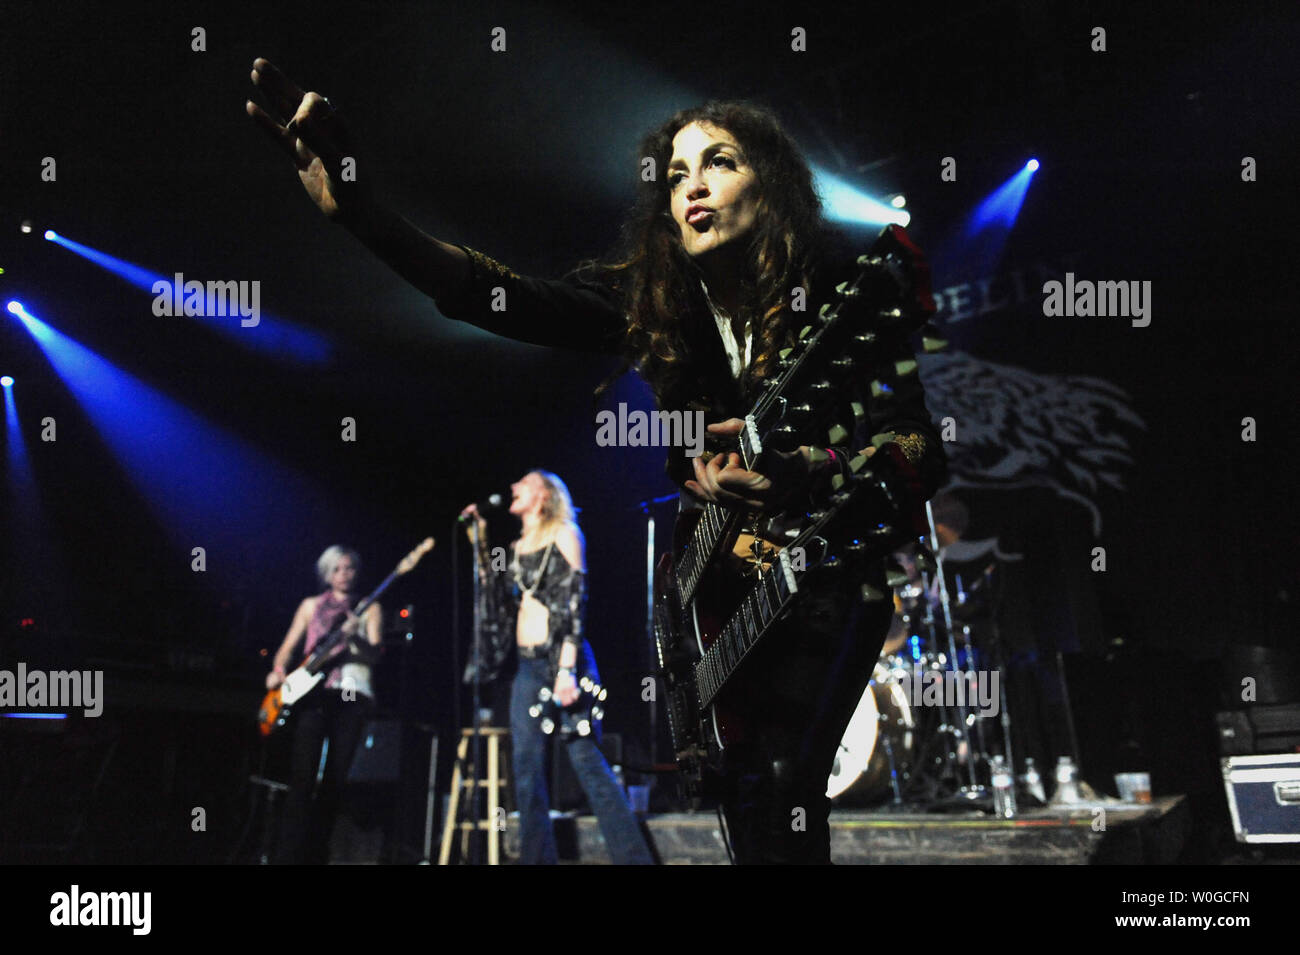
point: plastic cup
(1134, 787)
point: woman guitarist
(724, 246)
(335, 712)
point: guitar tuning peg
(890, 315)
(783, 438)
(931, 341)
(821, 391)
(905, 367)
(601, 695)
(800, 413)
(858, 463)
(880, 389)
(882, 437)
(548, 726)
(843, 366)
(864, 340)
(859, 412)
(805, 332)
(868, 260)
(535, 710)
(584, 728)
(837, 434)
(846, 291)
(882, 530)
(785, 353)
(826, 313)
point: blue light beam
(206, 486)
(842, 202)
(19, 465)
(1001, 208)
(977, 245)
(271, 336)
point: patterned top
(348, 673)
(554, 582)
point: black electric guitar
(279, 702)
(696, 619)
(885, 303)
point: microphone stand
(970, 732)
(474, 800)
(645, 506)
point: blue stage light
(15, 306)
(1003, 206)
(51, 235)
(977, 248)
(35, 716)
(6, 382)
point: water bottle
(1067, 781)
(1004, 788)
(1033, 782)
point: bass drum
(878, 740)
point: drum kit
(930, 751)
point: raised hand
(314, 137)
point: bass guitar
(278, 703)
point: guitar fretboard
(764, 603)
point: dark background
(529, 155)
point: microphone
(492, 503)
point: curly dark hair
(659, 283)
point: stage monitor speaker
(378, 758)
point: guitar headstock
(410, 560)
(886, 300)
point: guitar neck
(763, 605)
(778, 587)
(324, 653)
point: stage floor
(1101, 834)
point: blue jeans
(528, 747)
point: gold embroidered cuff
(486, 264)
(913, 447)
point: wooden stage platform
(1126, 835)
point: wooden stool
(462, 778)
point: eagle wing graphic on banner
(1016, 428)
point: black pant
(309, 809)
(795, 701)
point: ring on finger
(292, 125)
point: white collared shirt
(738, 360)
